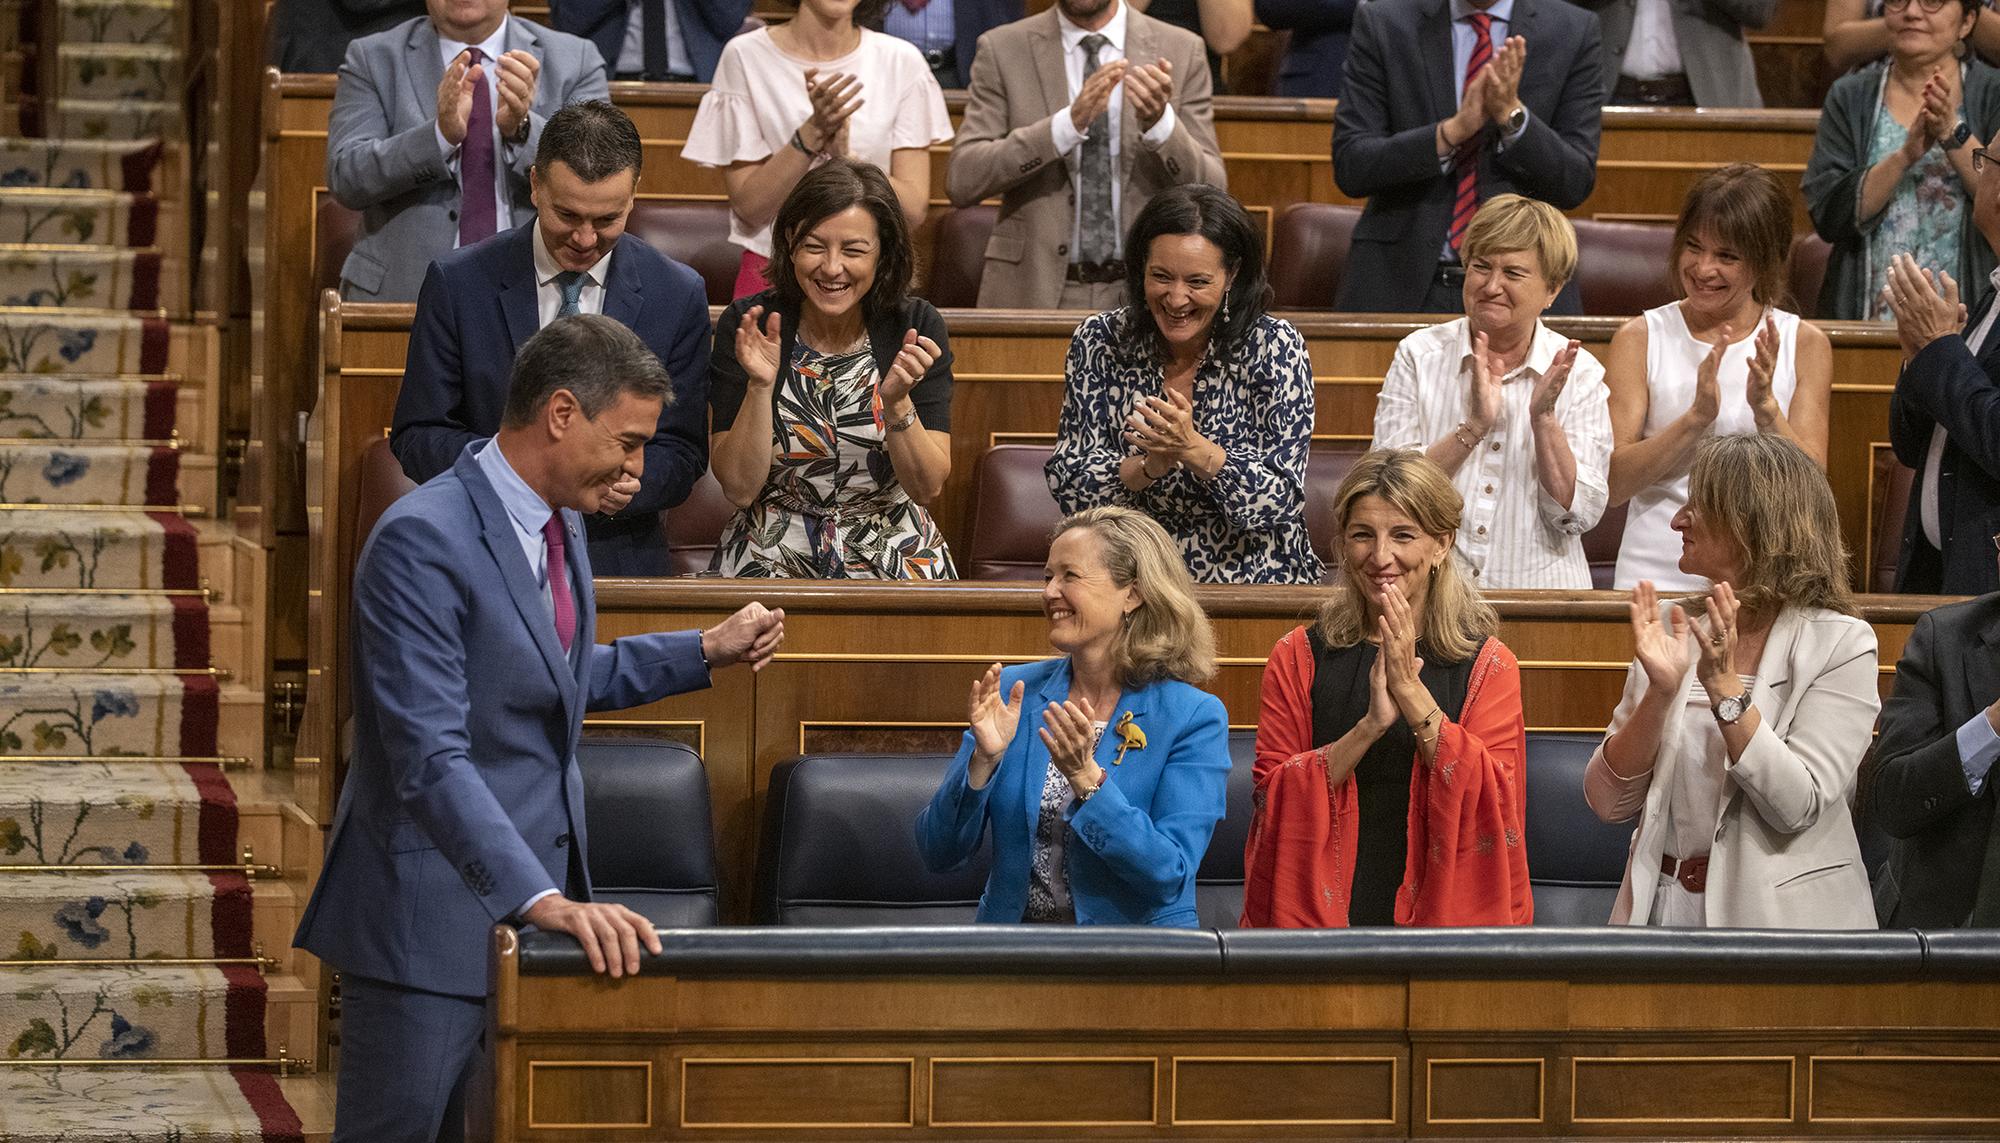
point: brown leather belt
(1667, 90)
(1692, 873)
(1094, 273)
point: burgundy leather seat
(379, 482)
(695, 525)
(1600, 547)
(1808, 271)
(1621, 267)
(1891, 506)
(335, 230)
(958, 260)
(1309, 254)
(1012, 514)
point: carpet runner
(80, 277)
(115, 813)
(78, 217)
(73, 407)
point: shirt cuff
(1978, 746)
(446, 149)
(1063, 132)
(1157, 137)
(1513, 137)
(522, 912)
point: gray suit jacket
(1785, 854)
(1004, 147)
(382, 155)
(1713, 49)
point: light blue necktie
(570, 282)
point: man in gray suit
(1077, 117)
(1680, 53)
(454, 99)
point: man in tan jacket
(1078, 116)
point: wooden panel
(1904, 1089)
(1054, 1091)
(1256, 1091)
(1484, 1091)
(1682, 1089)
(796, 1093)
(590, 1094)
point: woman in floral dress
(830, 397)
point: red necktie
(1467, 203)
(565, 605)
(476, 208)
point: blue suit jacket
(1317, 55)
(705, 23)
(463, 797)
(478, 308)
(1134, 846)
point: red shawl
(1468, 861)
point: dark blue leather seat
(1575, 861)
(652, 840)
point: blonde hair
(1771, 499)
(1168, 635)
(1510, 222)
(1455, 619)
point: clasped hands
(835, 99)
(1490, 97)
(1150, 87)
(1162, 429)
(1395, 682)
(1926, 304)
(516, 71)
(1665, 647)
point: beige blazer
(1785, 854)
(1004, 148)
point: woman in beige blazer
(1746, 712)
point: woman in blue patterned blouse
(1191, 403)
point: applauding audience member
(661, 41)
(1857, 32)
(830, 398)
(1518, 116)
(1722, 359)
(1514, 411)
(1892, 164)
(1745, 713)
(1070, 166)
(1192, 403)
(1389, 737)
(434, 125)
(820, 86)
(1111, 751)
(1926, 784)
(1944, 417)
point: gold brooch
(1129, 737)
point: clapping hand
(835, 98)
(1163, 426)
(454, 97)
(1401, 668)
(1661, 646)
(914, 360)
(1763, 363)
(1925, 308)
(1716, 663)
(992, 721)
(1150, 87)
(757, 343)
(1548, 390)
(750, 636)
(1707, 403)
(1068, 731)
(1502, 92)
(1094, 97)
(517, 71)
(1482, 401)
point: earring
(1223, 314)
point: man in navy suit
(678, 41)
(1448, 103)
(480, 304)
(474, 662)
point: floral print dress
(831, 507)
(1925, 215)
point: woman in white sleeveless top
(1722, 360)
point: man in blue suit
(474, 662)
(676, 41)
(480, 304)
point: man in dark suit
(1316, 55)
(478, 305)
(664, 41)
(1944, 417)
(312, 35)
(1425, 158)
(474, 662)
(1929, 784)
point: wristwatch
(1728, 710)
(1959, 135)
(1517, 118)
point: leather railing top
(1595, 953)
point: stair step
(70, 118)
(86, 164)
(139, 913)
(97, 550)
(95, 632)
(134, 1010)
(82, 713)
(146, 72)
(83, 812)
(82, 473)
(62, 406)
(185, 1105)
(116, 21)
(80, 217)
(67, 276)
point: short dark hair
(1198, 208)
(595, 357)
(1745, 207)
(593, 138)
(824, 192)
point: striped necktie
(1467, 202)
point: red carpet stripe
(201, 714)
(137, 169)
(215, 832)
(162, 410)
(153, 342)
(142, 221)
(180, 559)
(163, 478)
(145, 283)
(243, 1013)
(280, 1124)
(191, 645)
(230, 915)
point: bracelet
(1143, 458)
(799, 142)
(1461, 432)
(1423, 724)
(904, 421)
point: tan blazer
(1785, 855)
(1004, 148)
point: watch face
(1959, 136)
(1731, 708)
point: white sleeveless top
(1651, 548)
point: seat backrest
(1575, 861)
(1218, 883)
(696, 233)
(652, 842)
(1621, 267)
(1012, 513)
(381, 483)
(1808, 271)
(839, 846)
(1889, 511)
(694, 527)
(958, 256)
(335, 231)
(1309, 254)
(1600, 547)
(1326, 467)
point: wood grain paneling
(1905, 1089)
(1682, 1089)
(994, 1091)
(797, 1093)
(1485, 1090)
(1259, 1091)
(599, 1094)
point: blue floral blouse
(1248, 524)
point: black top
(1382, 777)
(727, 381)
(1186, 14)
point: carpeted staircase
(146, 990)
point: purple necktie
(552, 535)
(475, 163)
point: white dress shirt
(1654, 50)
(493, 47)
(548, 295)
(1062, 128)
(632, 53)
(1514, 534)
(1927, 503)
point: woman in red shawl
(1390, 738)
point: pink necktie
(552, 536)
(476, 209)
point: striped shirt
(1514, 535)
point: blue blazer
(705, 24)
(1134, 846)
(463, 798)
(478, 308)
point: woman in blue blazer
(1102, 772)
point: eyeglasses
(1929, 6)
(1980, 157)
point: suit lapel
(1981, 671)
(517, 287)
(1435, 31)
(1045, 35)
(624, 293)
(423, 69)
(1139, 48)
(497, 531)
